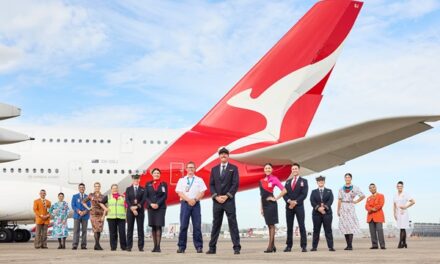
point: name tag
(163, 189)
(302, 184)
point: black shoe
(348, 248)
(113, 249)
(304, 250)
(60, 247)
(44, 247)
(210, 252)
(74, 248)
(405, 245)
(129, 249)
(287, 249)
(236, 252)
(199, 250)
(374, 247)
(313, 249)
(83, 247)
(180, 250)
(331, 249)
(98, 247)
(383, 248)
(141, 250)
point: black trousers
(116, 226)
(140, 228)
(326, 221)
(298, 211)
(217, 213)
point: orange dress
(377, 201)
(41, 208)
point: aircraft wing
(323, 151)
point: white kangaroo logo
(277, 99)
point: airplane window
(122, 171)
(4, 170)
(49, 170)
(158, 142)
(137, 171)
(57, 170)
(42, 170)
(65, 140)
(115, 171)
(87, 141)
(12, 170)
(101, 141)
(94, 141)
(108, 171)
(58, 140)
(151, 142)
(50, 140)
(129, 171)
(80, 140)
(26, 170)
(93, 171)
(19, 170)
(34, 170)
(145, 142)
(100, 171)
(44, 140)
(73, 140)
(165, 142)
(109, 141)
(143, 172)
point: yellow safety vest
(116, 208)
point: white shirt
(221, 167)
(191, 188)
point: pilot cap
(135, 176)
(320, 178)
(223, 150)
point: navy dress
(156, 193)
(270, 208)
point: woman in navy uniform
(156, 196)
(269, 206)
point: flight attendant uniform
(156, 192)
(402, 214)
(270, 208)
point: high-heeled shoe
(405, 245)
(400, 244)
(270, 250)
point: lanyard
(188, 185)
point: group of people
(295, 191)
(130, 207)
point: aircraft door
(75, 172)
(127, 143)
(176, 172)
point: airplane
(263, 118)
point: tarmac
(420, 250)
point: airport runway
(421, 250)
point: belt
(347, 201)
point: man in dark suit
(297, 189)
(134, 197)
(223, 185)
(322, 200)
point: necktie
(82, 197)
(223, 172)
(320, 193)
(294, 183)
(135, 191)
(44, 203)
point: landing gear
(10, 233)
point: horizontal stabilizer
(323, 151)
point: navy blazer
(158, 196)
(327, 199)
(77, 205)
(228, 186)
(299, 193)
(130, 197)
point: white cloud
(9, 57)
(51, 34)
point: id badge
(135, 201)
(163, 189)
(302, 184)
(79, 200)
(187, 189)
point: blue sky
(77, 62)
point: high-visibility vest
(116, 208)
